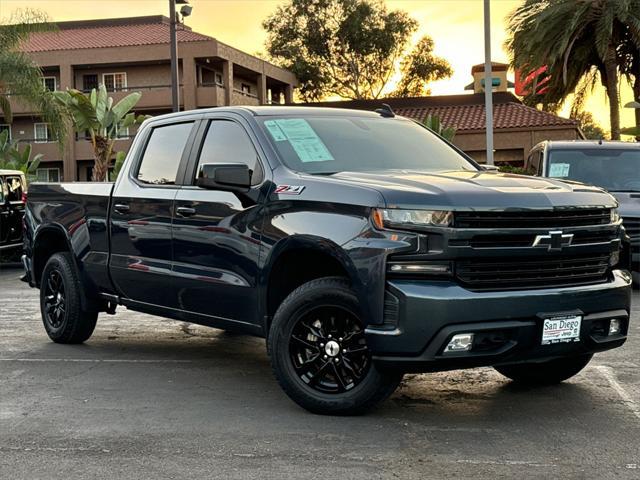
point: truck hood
(465, 190)
(629, 203)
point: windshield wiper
(322, 173)
(624, 191)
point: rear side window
(1, 191)
(227, 142)
(14, 189)
(161, 158)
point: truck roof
(590, 144)
(11, 172)
(278, 110)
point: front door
(4, 214)
(15, 186)
(141, 210)
(215, 233)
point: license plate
(562, 329)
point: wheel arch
(296, 260)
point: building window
(48, 175)
(115, 82)
(41, 132)
(3, 127)
(49, 83)
(122, 132)
(89, 82)
(218, 78)
(246, 88)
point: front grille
(632, 225)
(532, 272)
(526, 240)
(534, 219)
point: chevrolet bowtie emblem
(554, 241)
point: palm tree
(20, 77)
(575, 39)
(101, 120)
(433, 123)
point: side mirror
(490, 168)
(230, 177)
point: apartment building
(132, 54)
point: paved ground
(151, 398)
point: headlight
(411, 219)
(614, 215)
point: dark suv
(12, 201)
(614, 166)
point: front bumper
(430, 313)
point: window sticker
(559, 170)
(277, 134)
(304, 140)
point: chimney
(499, 81)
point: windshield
(325, 145)
(615, 170)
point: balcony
(209, 95)
(84, 150)
(153, 96)
(50, 150)
(238, 97)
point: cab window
(161, 158)
(227, 142)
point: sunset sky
(455, 25)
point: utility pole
(488, 80)
(175, 85)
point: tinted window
(228, 142)
(613, 169)
(161, 158)
(1, 191)
(14, 189)
(316, 144)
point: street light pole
(488, 81)
(175, 86)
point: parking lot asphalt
(153, 398)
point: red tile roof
(123, 32)
(465, 112)
(472, 117)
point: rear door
(216, 233)
(141, 209)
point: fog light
(461, 342)
(615, 327)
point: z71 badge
(289, 189)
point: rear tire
(63, 317)
(318, 351)
(546, 373)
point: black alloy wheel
(328, 349)
(65, 318)
(319, 354)
(54, 299)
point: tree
(345, 48)
(433, 123)
(101, 119)
(20, 77)
(12, 158)
(574, 39)
(419, 68)
(591, 129)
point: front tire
(319, 354)
(546, 373)
(64, 319)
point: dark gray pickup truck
(361, 245)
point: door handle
(121, 208)
(185, 211)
